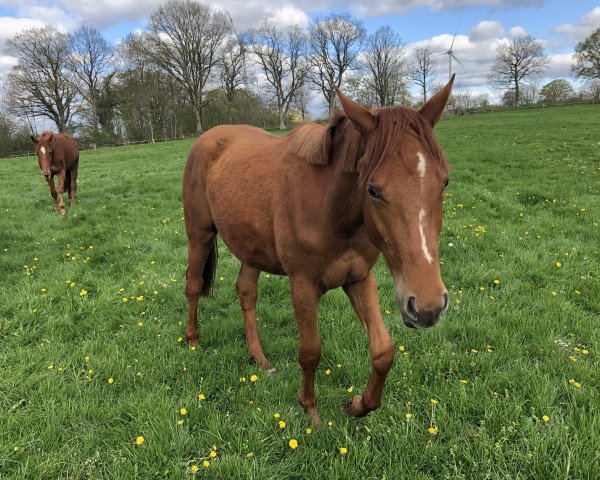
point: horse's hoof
(355, 407)
(272, 370)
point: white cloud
(518, 32)
(486, 30)
(288, 15)
(576, 32)
(10, 26)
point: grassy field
(92, 315)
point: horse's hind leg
(73, 184)
(247, 288)
(202, 260)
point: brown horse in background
(318, 205)
(58, 155)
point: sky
(479, 25)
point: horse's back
(70, 149)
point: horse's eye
(446, 184)
(373, 192)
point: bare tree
(517, 61)
(587, 57)
(92, 61)
(186, 39)
(41, 85)
(334, 43)
(384, 61)
(280, 55)
(233, 71)
(422, 70)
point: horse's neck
(344, 201)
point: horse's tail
(210, 268)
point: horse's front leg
(305, 299)
(365, 300)
(60, 188)
(50, 181)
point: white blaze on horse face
(43, 150)
(422, 166)
(422, 218)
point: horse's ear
(434, 107)
(33, 139)
(362, 119)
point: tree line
(189, 70)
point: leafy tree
(334, 43)
(386, 67)
(280, 55)
(422, 70)
(92, 61)
(517, 61)
(186, 40)
(557, 91)
(41, 84)
(587, 57)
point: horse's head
(403, 174)
(44, 148)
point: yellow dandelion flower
(83, 292)
(180, 422)
(585, 351)
(86, 358)
(281, 424)
(139, 440)
(51, 366)
(124, 299)
(213, 447)
(474, 350)
(308, 431)
(464, 382)
(140, 298)
(242, 379)
(180, 339)
(213, 454)
(343, 450)
(253, 378)
(558, 264)
(434, 401)
(481, 289)
(194, 468)
(496, 282)
(293, 443)
(546, 418)
(349, 389)
(183, 411)
(433, 430)
(554, 294)
(408, 416)
(206, 464)
(339, 365)
(249, 454)
(16, 449)
(43, 290)
(276, 415)
(401, 348)
(330, 424)
(140, 324)
(201, 396)
(327, 372)
(574, 383)
(111, 381)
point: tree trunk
(198, 114)
(281, 119)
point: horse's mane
(320, 144)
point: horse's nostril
(446, 302)
(411, 309)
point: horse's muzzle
(47, 176)
(414, 318)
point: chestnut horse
(58, 155)
(319, 205)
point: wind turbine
(452, 56)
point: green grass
(524, 194)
